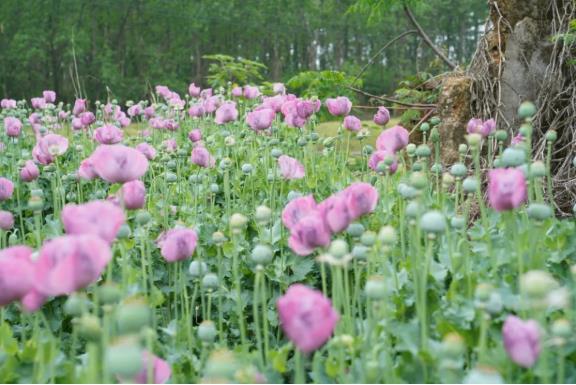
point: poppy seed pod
(537, 284)
(539, 211)
(433, 222)
(132, 317)
(210, 281)
(376, 288)
(470, 185)
(197, 269)
(124, 359)
(262, 254)
(501, 135)
(338, 248)
(263, 214)
(207, 332)
(387, 235)
(526, 110)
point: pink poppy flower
(260, 119)
(49, 96)
(251, 92)
(227, 112)
(278, 88)
(305, 108)
(118, 163)
(290, 168)
(38, 103)
(133, 194)
(6, 220)
(177, 244)
(108, 134)
(6, 189)
(86, 170)
(393, 139)
(361, 198)
(100, 218)
(79, 107)
(69, 263)
(307, 317)
(339, 106)
(13, 126)
(334, 211)
(170, 145)
(135, 110)
(16, 273)
(29, 172)
(309, 233)
(206, 93)
(477, 126)
(236, 92)
(7, 104)
(53, 145)
(195, 135)
(193, 90)
(296, 209)
(211, 104)
(87, 118)
(149, 112)
(202, 157)
(352, 123)
(506, 188)
(196, 110)
(521, 341)
(274, 103)
(379, 156)
(146, 149)
(382, 116)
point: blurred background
(120, 49)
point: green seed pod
(262, 254)
(526, 110)
(89, 327)
(109, 293)
(143, 217)
(238, 222)
(424, 127)
(417, 166)
(433, 222)
(263, 214)
(513, 157)
(470, 185)
(436, 169)
(197, 269)
(483, 292)
(551, 136)
(413, 209)
(538, 169)
(501, 135)
(539, 211)
(207, 332)
(474, 140)
(276, 152)
(387, 235)
(537, 283)
(338, 248)
(124, 232)
(423, 151)
(411, 149)
(302, 141)
(562, 328)
(462, 149)
(247, 168)
(360, 251)
(171, 164)
(35, 203)
(406, 191)
(459, 170)
(355, 230)
(132, 316)
(210, 282)
(368, 150)
(376, 288)
(435, 121)
(418, 180)
(214, 188)
(368, 238)
(526, 130)
(74, 305)
(124, 360)
(314, 136)
(458, 222)
(453, 345)
(293, 195)
(225, 164)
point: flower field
(219, 236)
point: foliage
(322, 84)
(227, 69)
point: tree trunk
(518, 60)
